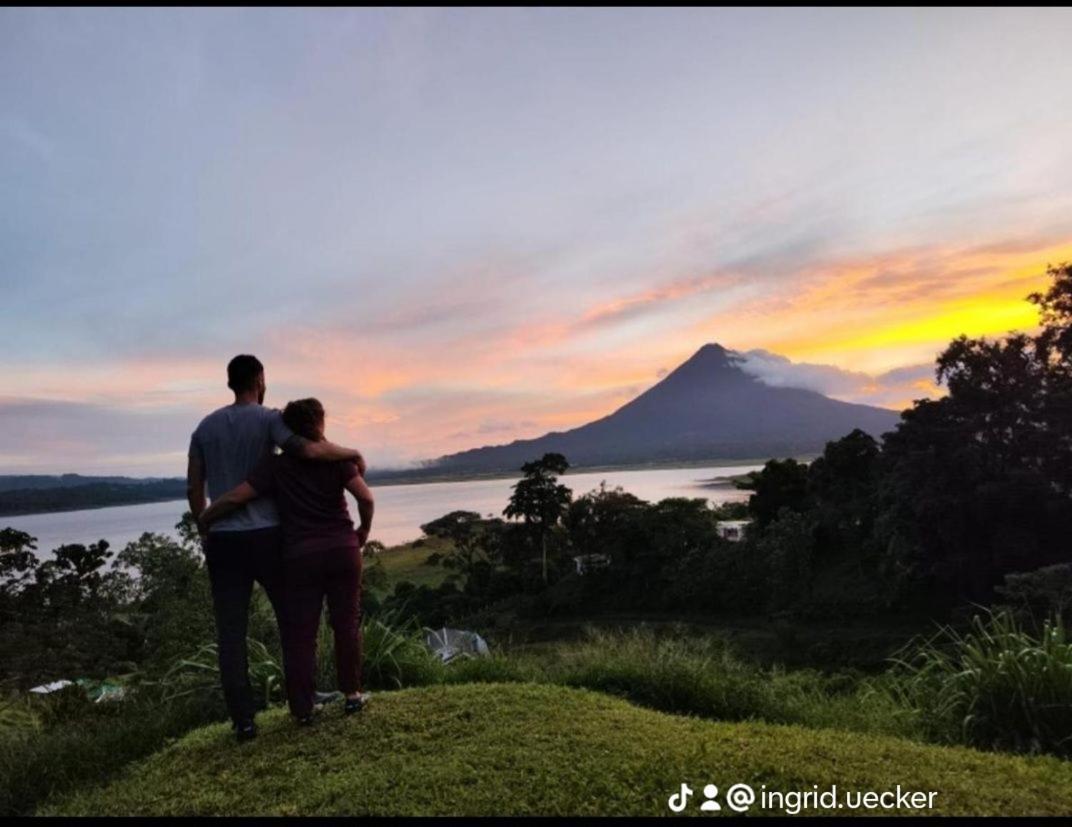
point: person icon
(710, 793)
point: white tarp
(453, 643)
(48, 688)
(97, 691)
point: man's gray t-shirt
(230, 442)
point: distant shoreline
(20, 502)
(98, 507)
(574, 469)
(422, 479)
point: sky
(461, 227)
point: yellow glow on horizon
(895, 310)
(975, 317)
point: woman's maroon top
(310, 496)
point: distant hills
(708, 408)
(72, 492)
(12, 482)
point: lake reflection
(400, 509)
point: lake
(400, 509)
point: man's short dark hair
(242, 372)
(304, 417)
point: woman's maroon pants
(309, 579)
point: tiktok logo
(679, 801)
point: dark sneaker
(307, 719)
(245, 731)
(353, 705)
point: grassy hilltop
(501, 749)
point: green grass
(408, 562)
(697, 676)
(835, 645)
(512, 749)
(92, 746)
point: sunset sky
(460, 227)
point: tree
(65, 620)
(1054, 342)
(783, 483)
(842, 485)
(189, 535)
(672, 539)
(978, 484)
(602, 521)
(788, 547)
(1053, 346)
(539, 500)
(447, 526)
(168, 601)
(471, 548)
(74, 572)
(18, 563)
(18, 567)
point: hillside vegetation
(499, 749)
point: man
(245, 546)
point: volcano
(706, 409)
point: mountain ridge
(706, 408)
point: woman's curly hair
(304, 417)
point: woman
(321, 556)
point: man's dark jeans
(235, 560)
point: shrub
(995, 686)
(1039, 594)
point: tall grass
(696, 676)
(86, 748)
(393, 654)
(199, 675)
(995, 686)
(18, 718)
